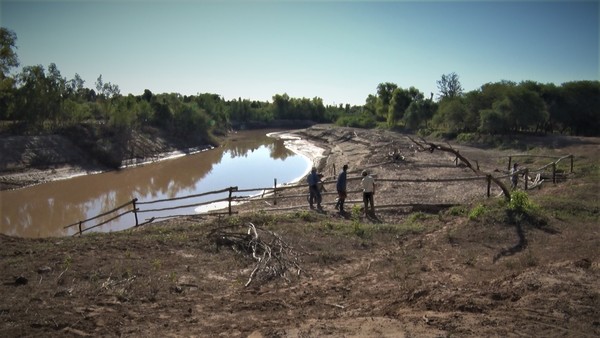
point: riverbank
(475, 270)
(31, 160)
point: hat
(364, 173)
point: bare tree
(449, 86)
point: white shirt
(368, 184)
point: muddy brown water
(249, 160)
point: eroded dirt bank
(29, 160)
(436, 274)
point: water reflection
(250, 160)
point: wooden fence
(276, 194)
(553, 164)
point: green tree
(29, 95)
(75, 88)
(107, 93)
(419, 112)
(124, 114)
(281, 106)
(8, 56)
(553, 100)
(384, 97)
(492, 122)
(8, 60)
(76, 112)
(528, 110)
(190, 121)
(451, 115)
(7, 97)
(55, 92)
(318, 110)
(399, 102)
(370, 106)
(582, 104)
(147, 96)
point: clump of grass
(173, 276)
(305, 215)
(358, 229)
(67, 262)
(458, 210)
(417, 216)
(477, 212)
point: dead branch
(273, 256)
(423, 145)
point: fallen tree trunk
(424, 145)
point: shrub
(519, 202)
(479, 210)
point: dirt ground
(405, 272)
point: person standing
(341, 189)
(514, 176)
(368, 184)
(313, 188)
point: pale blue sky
(337, 50)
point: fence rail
(277, 193)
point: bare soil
(403, 272)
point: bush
(457, 211)
(466, 137)
(356, 121)
(519, 202)
(477, 211)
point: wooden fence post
(554, 172)
(275, 191)
(526, 177)
(229, 199)
(135, 211)
(80, 228)
(571, 164)
(509, 162)
(489, 185)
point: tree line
(38, 98)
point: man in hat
(368, 184)
(341, 189)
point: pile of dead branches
(274, 257)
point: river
(248, 160)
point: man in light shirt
(368, 185)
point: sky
(336, 50)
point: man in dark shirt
(313, 188)
(341, 189)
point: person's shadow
(373, 218)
